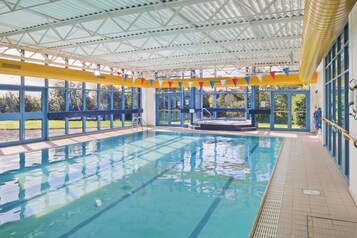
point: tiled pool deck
(307, 197)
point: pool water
(149, 184)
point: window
(9, 101)
(336, 96)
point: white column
(353, 75)
(317, 97)
(149, 106)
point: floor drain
(311, 192)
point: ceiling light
(96, 72)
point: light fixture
(96, 72)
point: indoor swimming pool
(147, 184)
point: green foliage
(56, 101)
(299, 109)
(33, 104)
(9, 102)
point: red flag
(118, 74)
(201, 85)
(142, 80)
(235, 81)
(170, 83)
(272, 73)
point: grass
(278, 126)
(55, 124)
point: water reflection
(35, 184)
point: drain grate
(330, 228)
(268, 220)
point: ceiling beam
(101, 14)
(206, 44)
(170, 30)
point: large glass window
(9, 101)
(336, 91)
(33, 101)
(67, 107)
(10, 131)
(56, 103)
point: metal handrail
(205, 109)
(132, 122)
(342, 130)
(143, 123)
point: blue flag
(126, 76)
(247, 79)
(211, 83)
(286, 71)
(180, 84)
(151, 82)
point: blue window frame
(336, 95)
(34, 109)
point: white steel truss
(154, 35)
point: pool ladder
(206, 110)
(139, 121)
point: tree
(10, 102)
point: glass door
(34, 115)
(169, 109)
(290, 111)
(298, 111)
(163, 110)
(281, 113)
(174, 110)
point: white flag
(223, 82)
(260, 76)
(190, 84)
(160, 82)
(134, 78)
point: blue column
(246, 102)
(111, 93)
(254, 106)
(84, 106)
(98, 103)
(123, 105)
(67, 106)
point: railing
(205, 109)
(139, 122)
(342, 130)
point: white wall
(149, 105)
(317, 97)
(353, 122)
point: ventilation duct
(323, 21)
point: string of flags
(212, 83)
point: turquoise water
(156, 184)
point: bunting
(170, 84)
(190, 84)
(201, 85)
(260, 76)
(235, 81)
(247, 79)
(223, 82)
(180, 84)
(160, 83)
(272, 74)
(211, 83)
(126, 76)
(134, 78)
(118, 74)
(286, 71)
(142, 80)
(151, 82)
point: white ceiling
(144, 35)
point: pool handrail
(205, 109)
